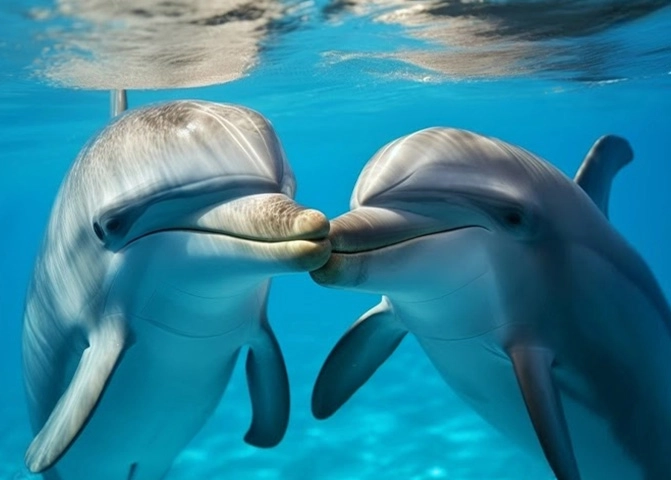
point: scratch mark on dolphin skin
(471, 337)
(470, 282)
(204, 297)
(174, 331)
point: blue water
(332, 85)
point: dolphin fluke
(106, 343)
(608, 155)
(533, 371)
(355, 358)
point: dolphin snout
(269, 217)
(310, 229)
(276, 217)
(369, 228)
(310, 224)
(341, 271)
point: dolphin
(530, 305)
(153, 275)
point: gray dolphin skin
(153, 275)
(532, 307)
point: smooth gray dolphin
(532, 307)
(153, 275)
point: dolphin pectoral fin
(356, 357)
(106, 343)
(268, 389)
(533, 371)
(595, 176)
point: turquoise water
(337, 82)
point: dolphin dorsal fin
(118, 102)
(595, 176)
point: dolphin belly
(161, 394)
(169, 380)
(481, 374)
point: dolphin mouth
(288, 254)
(353, 251)
(348, 269)
(362, 232)
(367, 229)
(316, 238)
(272, 225)
(264, 217)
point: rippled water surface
(338, 80)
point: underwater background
(338, 80)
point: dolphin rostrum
(532, 307)
(153, 275)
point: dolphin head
(423, 204)
(195, 170)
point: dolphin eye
(514, 219)
(522, 221)
(98, 231)
(113, 225)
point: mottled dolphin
(532, 307)
(153, 275)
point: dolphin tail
(118, 102)
(533, 371)
(595, 176)
(356, 356)
(106, 344)
(268, 389)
